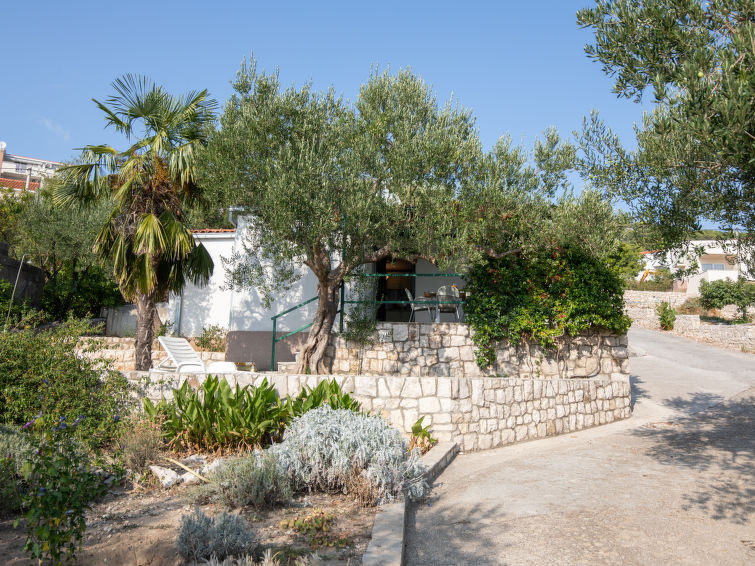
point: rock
(189, 479)
(166, 476)
(195, 460)
(213, 467)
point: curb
(386, 547)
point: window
(713, 267)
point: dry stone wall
(476, 412)
(447, 349)
(641, 306)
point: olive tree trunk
(311, 358)
(145, 330)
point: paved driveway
(674, 484)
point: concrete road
(674, 484)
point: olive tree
(693, 162)
(333, 185)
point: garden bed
(140, 527)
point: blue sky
(519, 66)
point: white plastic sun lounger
(184, 359)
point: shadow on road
(636, 390)
(462, 541)
(720, 443)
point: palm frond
(150, 236)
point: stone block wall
(121, 352)
(476, 412)
(447, 349)
(641, 306)
(732, 336)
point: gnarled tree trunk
(145, 318)
(311, 357)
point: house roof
(213, 231)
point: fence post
(343, 306)
(272, 354)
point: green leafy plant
(317, 525)
(212, 339)
(666, 315)
(41, 372)
(541, 296)
(718, 294)
(325, 393)
(421, 437)
(216, 417)
(14, 449)
(61, 487)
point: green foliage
(693, 161)
(317, 525)
(325, 393)
(21, 313)
(541, 296)
(626, 261)
(40, 372)
(212, 338)
(201, 538)
(718, 294)
(217, 417)
(14, 450)
(421, 437)
(666, 315)
(61, 487)
(256, 480)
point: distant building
(24, 173)
(718, 261)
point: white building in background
(718, 261)
(24, 173)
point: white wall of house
(199, 307)
(693, 282)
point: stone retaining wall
(447, 349)
(733, 336)
(121, 352)
(641, 306)
(477, 412)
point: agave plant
(148, 187)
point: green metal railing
(345, 302)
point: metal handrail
(344, 302)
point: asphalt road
(674, 484)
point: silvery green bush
(256, 479)
(268, 559)
(340, 450)
(203, 538)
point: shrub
(256, 480)
(666, 315)
(718, 294)
(326, 393)
(14, 450)
(212, 339)
(40, 372)
(542, 296)
(216, 417)
(141, 443)
(268, 559)
(662, 280)
(327, 449)
(61, 487)
(202, 538)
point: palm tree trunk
(311, 358)
(145, 317)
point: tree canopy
(694, 158)
(334, 185)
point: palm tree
(148, 187)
